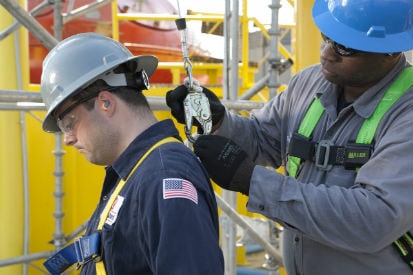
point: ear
(106, 102)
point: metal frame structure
(12, 100)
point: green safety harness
(352, 156)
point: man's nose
(327, 52)
(69, 139)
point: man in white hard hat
(157, 212)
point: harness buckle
(323, 154)
(87, 248)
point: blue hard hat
(378, 26)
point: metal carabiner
(196, 106)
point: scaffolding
(237, 76)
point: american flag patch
(179, 188)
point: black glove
(227, 164)
(175, 98)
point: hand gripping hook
(196, 106)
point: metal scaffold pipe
(29, 22)
(67, 17)
(274, 59)
(229, 228)
(19, 96)
(258, 86)
(248, 229)
(20, 100)
(26, 258)
(16, 25)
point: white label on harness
(114, 210)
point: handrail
(244, 66)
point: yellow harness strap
(100, 267)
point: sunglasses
(340, 49)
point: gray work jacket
(338, 222)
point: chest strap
(325, 154)
(88, 248)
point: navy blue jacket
(157, 229)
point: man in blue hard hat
(343, 131)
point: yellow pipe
(115, 21)
(245, 46)
(11, 176)
(308, 37)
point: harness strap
(405, 246)
(307, 126)
(100, 268)
(396, 90)
(61, 260)
(325, 154)
(88, 248)
(366, 134)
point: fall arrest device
(352, 156)
(88, 248)
(196, 103)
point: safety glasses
(340, 49)
(64, 121)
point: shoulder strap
(100, 268)
(404, 245)
(121, 184)
(306, 128)
(311, 118)
(396, 90)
